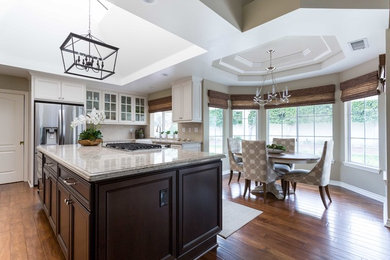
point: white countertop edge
(125, 172)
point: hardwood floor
(297, 228)
(301, 228)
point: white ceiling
(178, 38)
(32, 32)
(292, 55)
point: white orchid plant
(93, 119)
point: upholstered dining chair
(319, 175)
(234, 146)
(289, 143)
(256, 166)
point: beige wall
(14, 83)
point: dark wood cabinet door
(200, 200)
(80, 230)
(63, 225)
(47, 192)
(137, 218)
(53, 203)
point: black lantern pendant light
(87, 56)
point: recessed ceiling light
(149, 1)
(165, 74)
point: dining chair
(256, 165)
(234, 146)
(318, 176)
(289, 143)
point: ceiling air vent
(359, 44)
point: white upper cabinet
(58, 91)
(93, 100)
(126, 109)
(187, 100)
(122, 109)
(72, 92)
(140, 110)
(110, 107)
(47, 89)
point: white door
(11, 134)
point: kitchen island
(104, 203)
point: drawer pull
(68, 182)
(68, 202)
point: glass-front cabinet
(126, 109)
(93, 100)
(118, 108)
(140, 110)
(110, 107)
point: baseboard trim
(361, 191)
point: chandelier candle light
(274, 97)
(87, 56)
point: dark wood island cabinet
(171, 213)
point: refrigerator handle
(60, 133)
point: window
(215, 130)
(363, 137)
(245, 124)
(311, 126)
(161, 121)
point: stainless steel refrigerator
(52, 126)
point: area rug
(235, 216)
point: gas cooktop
(133, 146)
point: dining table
(286, 158)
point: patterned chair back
(254, 158)
(289, 143)
(234, 146)
(323, 168)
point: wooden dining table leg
(265, 192)
(239, 176)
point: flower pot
(90, 142)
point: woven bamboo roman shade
(360, 87)
(218, 99)
(243, 102)
(160, 104)
(309, 96)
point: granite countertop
(94, 163)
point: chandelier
(87, 56)
(274, 97)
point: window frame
(223, 130)
(348, 156)
(297, 136)
(256, 125)
(152, 128)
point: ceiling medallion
(274, 97)
(87, 56)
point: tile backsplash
(193, 131)
(118, 132)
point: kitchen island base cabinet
(171, 213)
(137, 218)
(73, 226)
